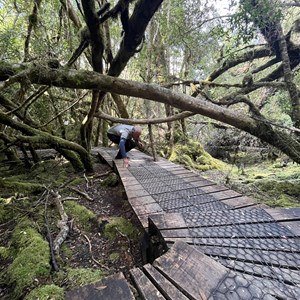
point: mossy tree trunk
(73, 152)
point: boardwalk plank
(145, 287)
(190, 270)
(284, 214)
(170, 221)
(240, 202)
(112, 287)
(170, 291)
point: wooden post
(152, 142)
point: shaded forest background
(205, 81)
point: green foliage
(279, 108)
(246, 21)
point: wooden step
(109, 288)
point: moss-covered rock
(111, 180)
(31, 261)
(119, 225)
(81, 214)
(46, 292)
(193, 156)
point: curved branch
(176, 117)
(230, 63)
(93, 80)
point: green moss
(193, 156)
(110, 181)
(22, 187)
(119, 225)
(276, 187)
(5, 213)
(46, 292)
(66, 251)
(78, 277)
(31, 259)
(4, 252)
(114, 256)
(81, 214)
(283, 201)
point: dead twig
(83, 194)
(49, 236)
(86, 180)
(62, 224)
(102, 174)
(92, 256)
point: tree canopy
(69, 67)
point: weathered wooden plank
(147, 209)
(144, 286)
(175, 233)
(168, 221)
(130, 188)
(173, 167)
(137, 194)
(169, 291)
(226, 194)
(112, 287)
(202, 183)
(182, 172)
(190, 270)
(130, 181)
(294, 227)
(213, 188)
(239, 202)
(284, 214)
(195, 178)
(141, 200)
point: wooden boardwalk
(205, 240)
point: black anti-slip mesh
(262, 255)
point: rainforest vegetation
(214, 85)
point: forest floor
(98, 246)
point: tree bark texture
(93, 80)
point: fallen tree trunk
(255, 125)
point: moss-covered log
(91, 80)
(35, 136)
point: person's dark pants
(129, 144)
